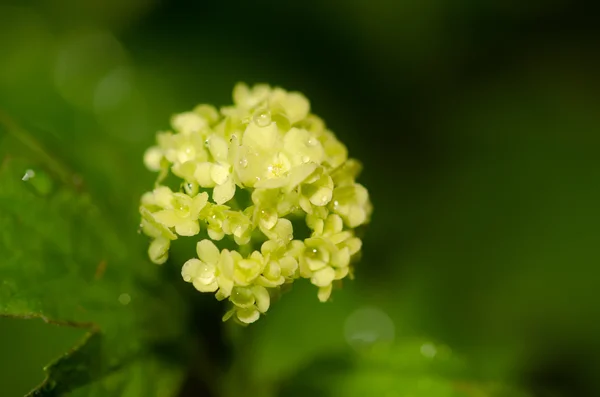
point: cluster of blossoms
(251, 172)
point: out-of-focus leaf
(67, 262)
(27, 346)
(410, 367)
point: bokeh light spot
(367, 326)
(85, 65)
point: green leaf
(66, 261)
(411, 367)
(27, 346)
(76, 368)
(361, 343)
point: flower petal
(202, 174)
(219, 173)
(354, 244)
(298, 174)
(187, 228)
(323, 277)
(188, 123)
(215, 234)
(226, 264)
(341, 258)
(167, 218)
(333, 224)
(263, 300)
(159, 250)
(190, 269)
(288, 265)
(224, 192)
(218, 147)
(202, 287)
(225, 287)
(283, 230)
(198, 202)
(324, 293)
(242, 297)
(248, 316)
(207, 251)
(261, 138)
(296, 106)
(152, 158)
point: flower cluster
(247, 176)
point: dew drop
(206, 271)
(28, 175)
(38, 181)
(262, 117)
(243, 162)
(190, 189)
(305, 159)
(312, 142)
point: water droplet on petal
(305, 159)
(243, 162)
(262, 117)
(206, 271)
(312, 142)
(190, 189)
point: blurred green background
(478, 124)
